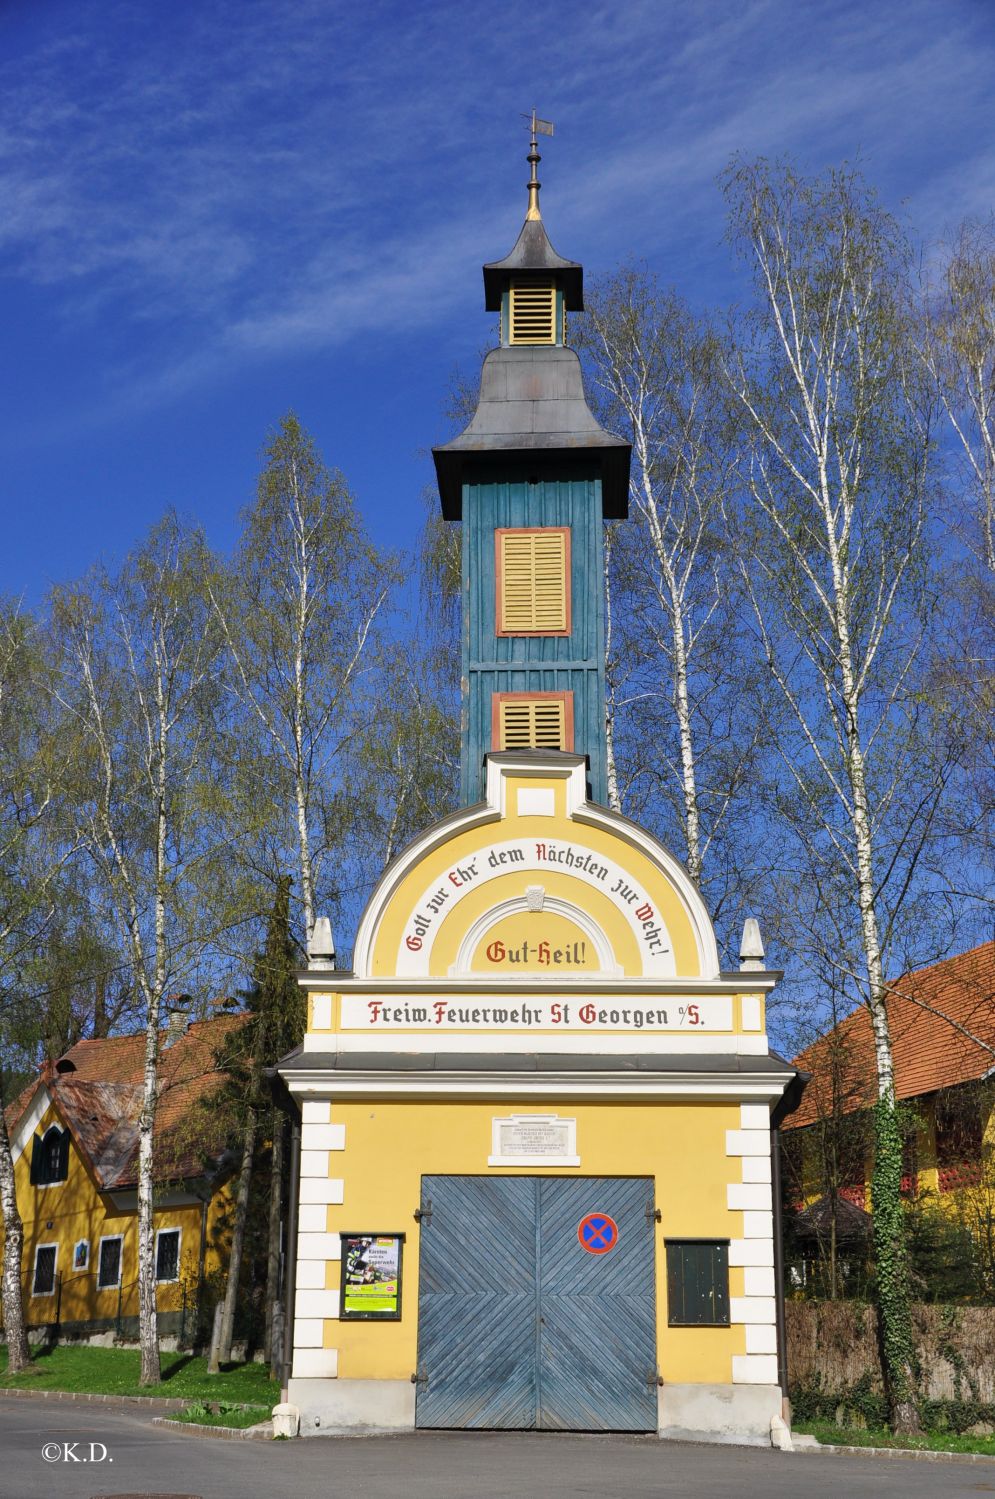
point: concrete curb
(263, 1432)
(899, 1452)
(158, 1402)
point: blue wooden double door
(522, 1327)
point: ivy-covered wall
(834, 1364)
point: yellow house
(74, 1136)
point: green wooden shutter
(698, 1282)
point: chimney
(751, 948)
(321, 945)
(176, 1026)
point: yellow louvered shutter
(532, 582)
(533, 313)
(532, 722)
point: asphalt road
(148, 1460)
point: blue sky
(216, 211)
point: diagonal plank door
(520, 1327)
(477, 1309)
(597, 1335)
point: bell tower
(532, 479)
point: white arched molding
(570, 769)
(607, 966)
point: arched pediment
(594, 895)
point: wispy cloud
(223, 182)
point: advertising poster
(371, 1276)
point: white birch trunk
(18, 1352)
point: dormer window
(532, 312)
(50, 1157)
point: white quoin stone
(754, 1368)
(331, 1189)
(747, 1142)
(748, 1196)
(755, 1309)
(315, 1111)
(315, 1363)
(751, 1252)
(323, 1136)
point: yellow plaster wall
(390, 1146)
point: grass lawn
(114, 1371)
(933, 1441)
(217, 1413)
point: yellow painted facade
(76, 1210)
(391, 1146)
(539, 927)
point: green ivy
(863, 1408)
(892, 1267)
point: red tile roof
(929, 1012)
(98, 1086)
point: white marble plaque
(533, 1140)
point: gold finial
(538, 127)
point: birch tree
(30, 864)
(837, 475)
(959, 350)
(137, 651)
(299, 613)
(656, 375)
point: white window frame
(173, 1279)
(112, 1285)
(78, 1269)
(55, 1269)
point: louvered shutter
(533, 593)
(36, 1149)
(532, 722)
(533, 313)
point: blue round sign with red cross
(597, 1233)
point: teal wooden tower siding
(533, 457)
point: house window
(532, 310)
(533, 580)
(43, 1283)
(167, 1254)
(532, 720)
(81, 1254)
(109, 1263)
(698, 1282)
(50, 1157)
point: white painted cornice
(737, 982)
(617, 1087)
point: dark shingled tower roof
(532, 400)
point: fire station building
(537, 1118)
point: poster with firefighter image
(371, 1276)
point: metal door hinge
(653, 1215)
(419, 1377)
(654, 1378)
(424, 1214)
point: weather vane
(538, 127)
